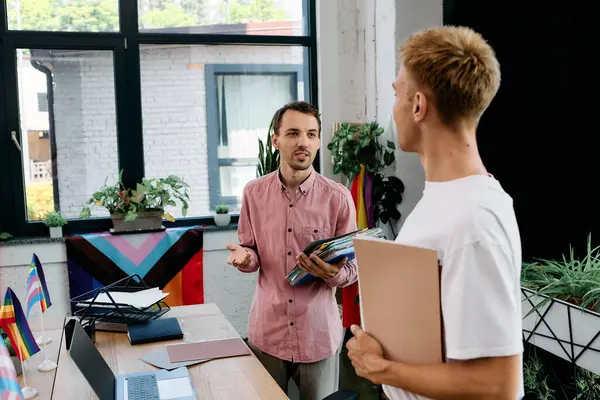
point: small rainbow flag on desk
(14, 323)
(37, 290)
(10, 388)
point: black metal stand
(581, 384)
(90, 310)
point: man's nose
(303, 141)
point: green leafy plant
(54, 219)
(222, 209)
(149, 195)
(587, 383)
(387, 195)
(5, 235)
(573, 280)
(353, 145)
(9, 347)
(268, 157)
(535, 380)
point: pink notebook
(207, 350)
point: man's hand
(239, 257)
(319, 268)
(366, 355)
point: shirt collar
(304, 186)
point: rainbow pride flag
(14, 323)
(37, 289)
(10, 388)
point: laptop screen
(92, 365)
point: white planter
(565, 330)
(56, 232)
(222, 219)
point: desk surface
(231, 378)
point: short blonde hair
(457, 66)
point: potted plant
(353, 145)
(222, 216)
(560, 300)
(5, 235)
(142, 208)
(268, 158)
(535, 379)
(356, 144)
(55, 221)
(11, 352)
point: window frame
(125, 45)
(211, 74)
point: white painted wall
(412, 16)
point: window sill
(43, 240)
(30, 240)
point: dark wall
(540, 135)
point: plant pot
(17, 363)
(565, 329)
(146, 221)
(222, 219)
(56, 232)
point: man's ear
(419, 106)
(275, 141)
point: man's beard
(300, 166)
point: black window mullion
(7, 222)
(312, 64)
(215, 39)
(129, 97)
(14, 157)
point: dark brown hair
(300, 106)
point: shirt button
(291, 205)
(291, 324)
(290, 300)
(316, 231)
(289, 253)
(289, 229)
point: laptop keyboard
(142, 387)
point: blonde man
(448, 79)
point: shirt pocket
(313, 233)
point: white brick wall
(174, 116)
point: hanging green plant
(268, 157)
(354, 144)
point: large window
(147, 87)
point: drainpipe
(51, 127)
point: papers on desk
(160, 359)
(331, 250)
(141, 299)
(209, 349)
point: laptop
(157, 385)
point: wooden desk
(231, 378)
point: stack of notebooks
(330, 250)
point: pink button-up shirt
(302, 323)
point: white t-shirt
(472, 225)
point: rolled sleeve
(345, 277)
(346, 222)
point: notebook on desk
(207, 350)
(154, 331)
(399, 290)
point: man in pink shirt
(296, 332)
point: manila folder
(399, 289)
